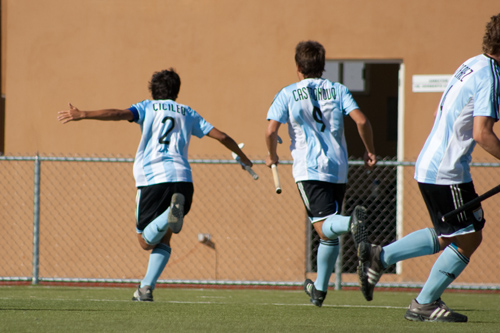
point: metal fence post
(338, 265)
(36, 220)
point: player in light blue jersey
(161, 169)
(314, 109)
(465, 116)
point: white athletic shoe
(435, 311)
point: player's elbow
(271, 134)
(364, 126)
(480, 136)
(363, 122)
(224, 138)
(218, 135)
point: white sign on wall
(430, 83)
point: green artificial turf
(71, 309)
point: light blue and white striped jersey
(474, 90)
(314, 110)
(162, 155)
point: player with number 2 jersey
(166, 126)
(161, 169)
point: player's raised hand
(73, 114)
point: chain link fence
(72, 219)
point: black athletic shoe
(357, 225)
(144, 294)
(317, 296)
(435, 311)
(176, 213)
(370, 268)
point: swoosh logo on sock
(450, 275)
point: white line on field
(223, 303)
(290, 304)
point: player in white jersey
(465, 116)
(446, 155)
(314, 109)
(161, 169)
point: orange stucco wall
(233, 56)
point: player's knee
(473, 243)
(325, 239)
(145, 245)
(322, 235)
(468, 244)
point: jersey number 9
(318, 117)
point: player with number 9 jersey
(314, 109)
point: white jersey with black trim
(474, 90)
(162, 155)
(314, 110)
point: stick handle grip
(276, 178)
(250, 171)
(247, 167)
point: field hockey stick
(247, 167)
(471, 203)
(276, 177)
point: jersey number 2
(164, 139)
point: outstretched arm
(74, 114)
(483, 134)
(366, 133)
(230, 144)
(272, 142)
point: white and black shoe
(317, 296)
(370, 268)
(144, 294)
(435, 311)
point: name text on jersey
(169, 107)
(316, 94)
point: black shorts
(321, 198)
(153, 200)
(441, 199)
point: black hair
(165, 84)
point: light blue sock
(157, 261)
(335, 225)
(155, 230)
(328, 252)
(419, 243)
(446, 269)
